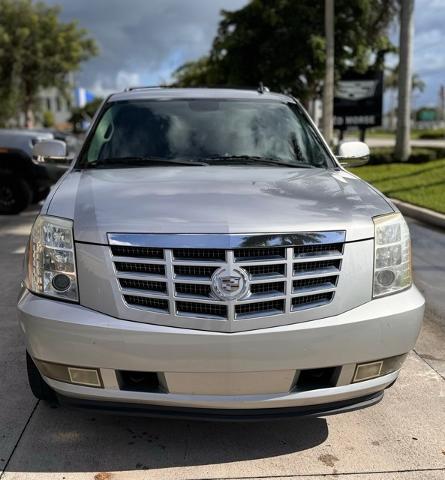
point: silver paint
(208, 200)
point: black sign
(358, 100)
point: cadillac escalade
(206, 255)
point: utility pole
(328, 87)
(403, 133)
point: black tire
(39, 387)
(15, 194)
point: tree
(37, 51)
(403, 132)
(282, 44)
(329, 77)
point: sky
(143, 41)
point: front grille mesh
(268, 270)
(179, 281)
(254, 309)
(141, 252)
(199, 254)
(259, 253)
(143, 285)
(210, 309)
(151, 303)
(318, 250)
(264, 288)
(311, 283)
(317, 267)
(194, 290)
(309, 301)
(152, 269)
(200, 271)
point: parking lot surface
(403, 437)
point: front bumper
(231, 415)
(74, 335)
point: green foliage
(48, 119)
(385, 155)
(437, 134)
(419, 184)
(281, 43)
(37, 50)
(86, 113)
(392, 80)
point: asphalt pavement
(403, 437)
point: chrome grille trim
(225, 241)
(177, 281)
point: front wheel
(15, 195)
(39, 387)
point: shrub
(422, 155)
(48, 119)
(437, 134)
(418, 155)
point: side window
(102, 135)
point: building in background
(58, 107)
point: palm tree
(391, 84)
(403, 133)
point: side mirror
(353, 154)
(50, 151)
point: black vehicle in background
(22, 180)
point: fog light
(89, 377)
(61, 282)
(367, 371)
(84, 376)
(385, 277)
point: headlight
(392, 258)
(51, 262)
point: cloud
(144, 41)
(429, 56)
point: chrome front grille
(166, 275)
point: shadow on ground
(63, 439)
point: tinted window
(206, 129)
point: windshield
(204, 132)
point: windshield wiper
(141, 161)
(252, 159)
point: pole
(328, 87)
(403, 134)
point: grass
(438, 134)
(379, 134)
(420, 184)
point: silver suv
(207, 255)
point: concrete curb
(422, 214)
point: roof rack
(143, 87)
(262, 88)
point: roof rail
(262, 88)
(143, 87)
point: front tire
(15, 195)
(40, 389)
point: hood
(225, 199)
